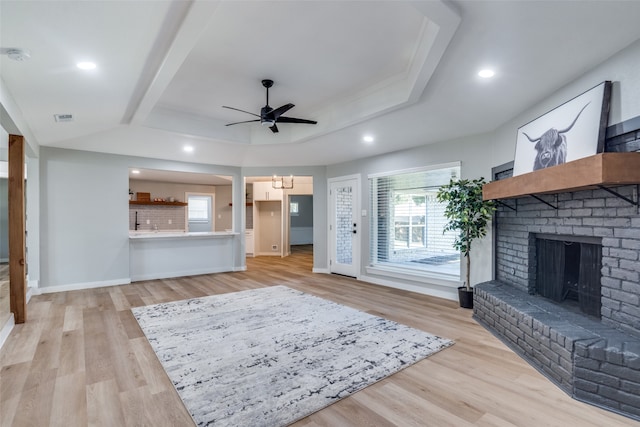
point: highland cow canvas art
(574, 130)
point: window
(294, 208)
(407, 221)
(198, 207)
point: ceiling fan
(269, 116)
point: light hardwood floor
(81, 359)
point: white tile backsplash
(158, 216)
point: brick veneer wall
(594, 361)
(593, 213)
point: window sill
(423, 282)
(414, 275)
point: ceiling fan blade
(274, 114)
(274, 129)
(294, 120)
(242, 111)
(246, 121)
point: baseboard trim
(320, 270)
(79, 286)
(241, 268)
(171, 275)
(6, 330)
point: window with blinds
(407, 221)
(198, 208)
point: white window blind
(198, 208)
(407, 221)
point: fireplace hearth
(589, 361)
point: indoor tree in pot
(467, 214)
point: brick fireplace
(587, 243)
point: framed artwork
(574, 130)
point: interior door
(344, 226)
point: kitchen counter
(165, 254)
(172, 234)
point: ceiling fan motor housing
(265, 120)
(269, 116)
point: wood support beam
(17, 236)
(600, 170)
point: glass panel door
(344, 227)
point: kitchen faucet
(136, 223)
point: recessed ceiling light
(188, 148)
(486, 73)
(86, 65)
(367, 138)
(135, 171)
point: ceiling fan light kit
(269, 116)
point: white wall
(474, 155)
(84, 207)
(621, 69)
(479, 153)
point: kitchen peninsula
(165, 254)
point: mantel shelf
(600, 170)
(140, 202)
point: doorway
(344, 225)
(278, 217)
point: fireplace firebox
(568, 271)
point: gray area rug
(270, 356)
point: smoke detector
(15, 53)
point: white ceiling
(404, 72)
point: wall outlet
(274, 247)
(148, 221)
(170, 222)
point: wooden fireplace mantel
(605, 169)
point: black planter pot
(465, 297)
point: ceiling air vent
(63, 117)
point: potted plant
(467, 214)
